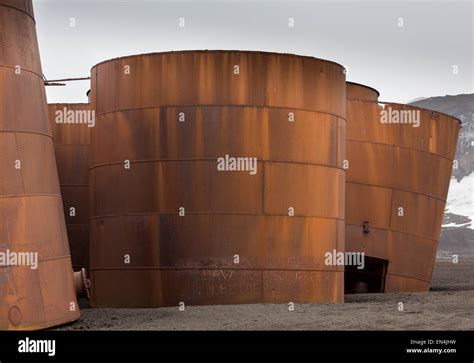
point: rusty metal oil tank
(70, 124)
(396, 188)
(172, 221)
(36, 279)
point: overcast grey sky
(403, 63)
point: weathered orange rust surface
(31, 213)
(135, 218)
(394, 166)
(71, 145)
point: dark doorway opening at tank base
(371, 279)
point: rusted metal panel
(208, 243)
(19, 42)
(325, 187)
(368, 160)
(396, 283)
(172, 115)
(36, 289)
(264, 133)
(21, 5)
(362, 92)
(397, 181)
(210, 78)
(70, 128)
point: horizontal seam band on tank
(213, 269)
(210, 214)
(72, 145)
(408, 277)
(73, 185)
(400, 147)
(394, 230)
(20, 10)
(413, 107)
(360, 99)
(27, 132)
(22, 70)
(349, 181)
(29, 195)
(212, 159)
(63, 257)
(219, 106)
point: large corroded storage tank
(36, 280)
(396, 189)
(167, 226)
(70, 123)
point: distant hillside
(462, 107)
(417, 99)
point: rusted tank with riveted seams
(216, 178)
(70, 124)
(36, 279)
(400, 159)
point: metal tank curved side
(71, 128)
(32, 220)
(397, 182)
(170, 227)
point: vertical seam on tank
(159, 294)
(390, 237)
(19, 158)
(434, 263)
(337, 142)
(265, 60)
(263, 187)
(41, 293)
(265, 111)
(96, 95)
(91, 197)
(158, 243)
(391, 210)
(261, 287)
(2, 52)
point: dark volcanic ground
(450, 305)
